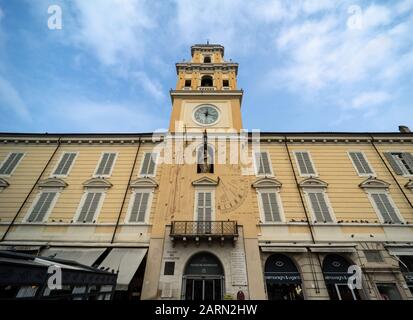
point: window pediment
(374, 183)
(144, 182)
(205, 181)
(97, 183)
(52, 183)
(3, 183)
(266, 183)
(313, 183)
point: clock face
(206, 114)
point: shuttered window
(270, 207)
(360, 163)
(65, 164)
(42, 207)
(89, 206)
(204, 206)
(11, 163)
(401, 162)
(385, 207)
(139, 207)
(304, 163)
(105, 165)
(320, 208)
(148, 164)
(262, 163)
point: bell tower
(206, 95)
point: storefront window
(388, 291)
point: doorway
(203, 278)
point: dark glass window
(169, 268)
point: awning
(80, 255)
(400, 251)
(333, 249)
(125, 260)
(283, 249)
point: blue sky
(304, 65)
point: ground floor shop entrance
(282, 279)
(336, 275)
(203, 278)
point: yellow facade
(174, 189)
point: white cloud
(376, 15)
(368, 99)
(152, 86)
(114, 29)
(10, 100)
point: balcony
(207, 88)
(208, 230)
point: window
(204, 206)
(42, 206)
(106, 164)
(373, 256)
(262, 163)
(200, 160)
(388, 291)
(225, 83)
(320, 207)
(169, 269)
(65, 164)
(139, 206)
(207, 59)
(89, 206)
(187, 83)
(10, 163)
(305, 163)
(270, 207)
(206, 81)
(401, 162)
(385, 207)
(360, 163)
(148, 167)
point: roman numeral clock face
(206, 114)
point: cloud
(85, 115)
(10, 100)
(152, 86)
(115, 30)
(368, 99)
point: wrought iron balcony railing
(190, 229)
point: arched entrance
(406, 266)
(203, 278)
(335, 270)
(282, 279)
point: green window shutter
(102, 164)
(145, 164)
(135, 207)
(143, 207)
(109, 163)
(152, 163)
(396, 168)
(266, 206)
(258, 163)
(85, 208)
(93, 207)
(389, 208)
(65, 164)
(42, 206)
(360, 163)
(324, 208)
(317, 210)
(266, 163)
(10, 164)
(308, 163)
(408, 159)
(381, 207)
(274, 207)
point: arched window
(207, 81)
(200, 159)
(335, 270)
(207, 59)
(282, 278)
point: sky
(303, 65)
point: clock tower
(206, 95)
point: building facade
(210, 211)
